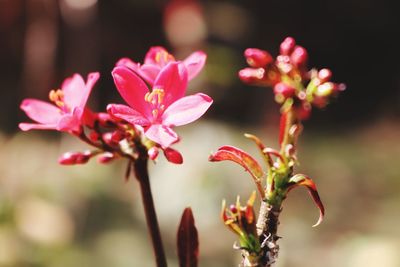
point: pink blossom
(158, 57)
(162, 108)
(68, 112)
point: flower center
(57, 97)
(155, 98)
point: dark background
(40, 45)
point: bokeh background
(57, 216)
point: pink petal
(74, 90)
(149, 72)
(173, 79)
(126, 62)
(158, 55)
(132, 89)
(128, 114)
(161, 134)
(69, 123)
(195, 63)
(186, 110)
(29, 126)
(41, 111)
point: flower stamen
(57, 97)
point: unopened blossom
(67, 112)
(158, 57)
(161, 108)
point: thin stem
(141, 173)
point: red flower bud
(324, 75)
(287, 46)
(303, 111)
(325, 89)
(173, 156)
(233, 209)
(71, 158)
(299, 56)
(117, 136)
(251, 75)
(113, 138)
(320, 101)
(107, 137)
(283, 89)
(257, 58)
(153, 152)
(106, 157)
(94, 136)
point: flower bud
(283, 89)
(325, 89)
(94, 136)
(320, 101)
(233, 209)
(72, 158)
(153, 152)
(303, 111)
(257, 58)
(287, 46)
(251, 75)
(117, 136)
(324, 75)
(283, 63)
(299, 56)
(173, 155)
(106, 157)
(113, 138)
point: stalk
(140, 170)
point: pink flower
(68, 112)
(157, 58)
(164, 107)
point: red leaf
(301, 179)
(239, 156)
(188, 241)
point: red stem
(141, 173)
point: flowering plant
(297, 89)
(155, 93)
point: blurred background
(52, 215)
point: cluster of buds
(242, 221)
(293, 84)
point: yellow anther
(155, 97)
(56, 95)
(60, 104)
(158, 56)
(146, 97)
